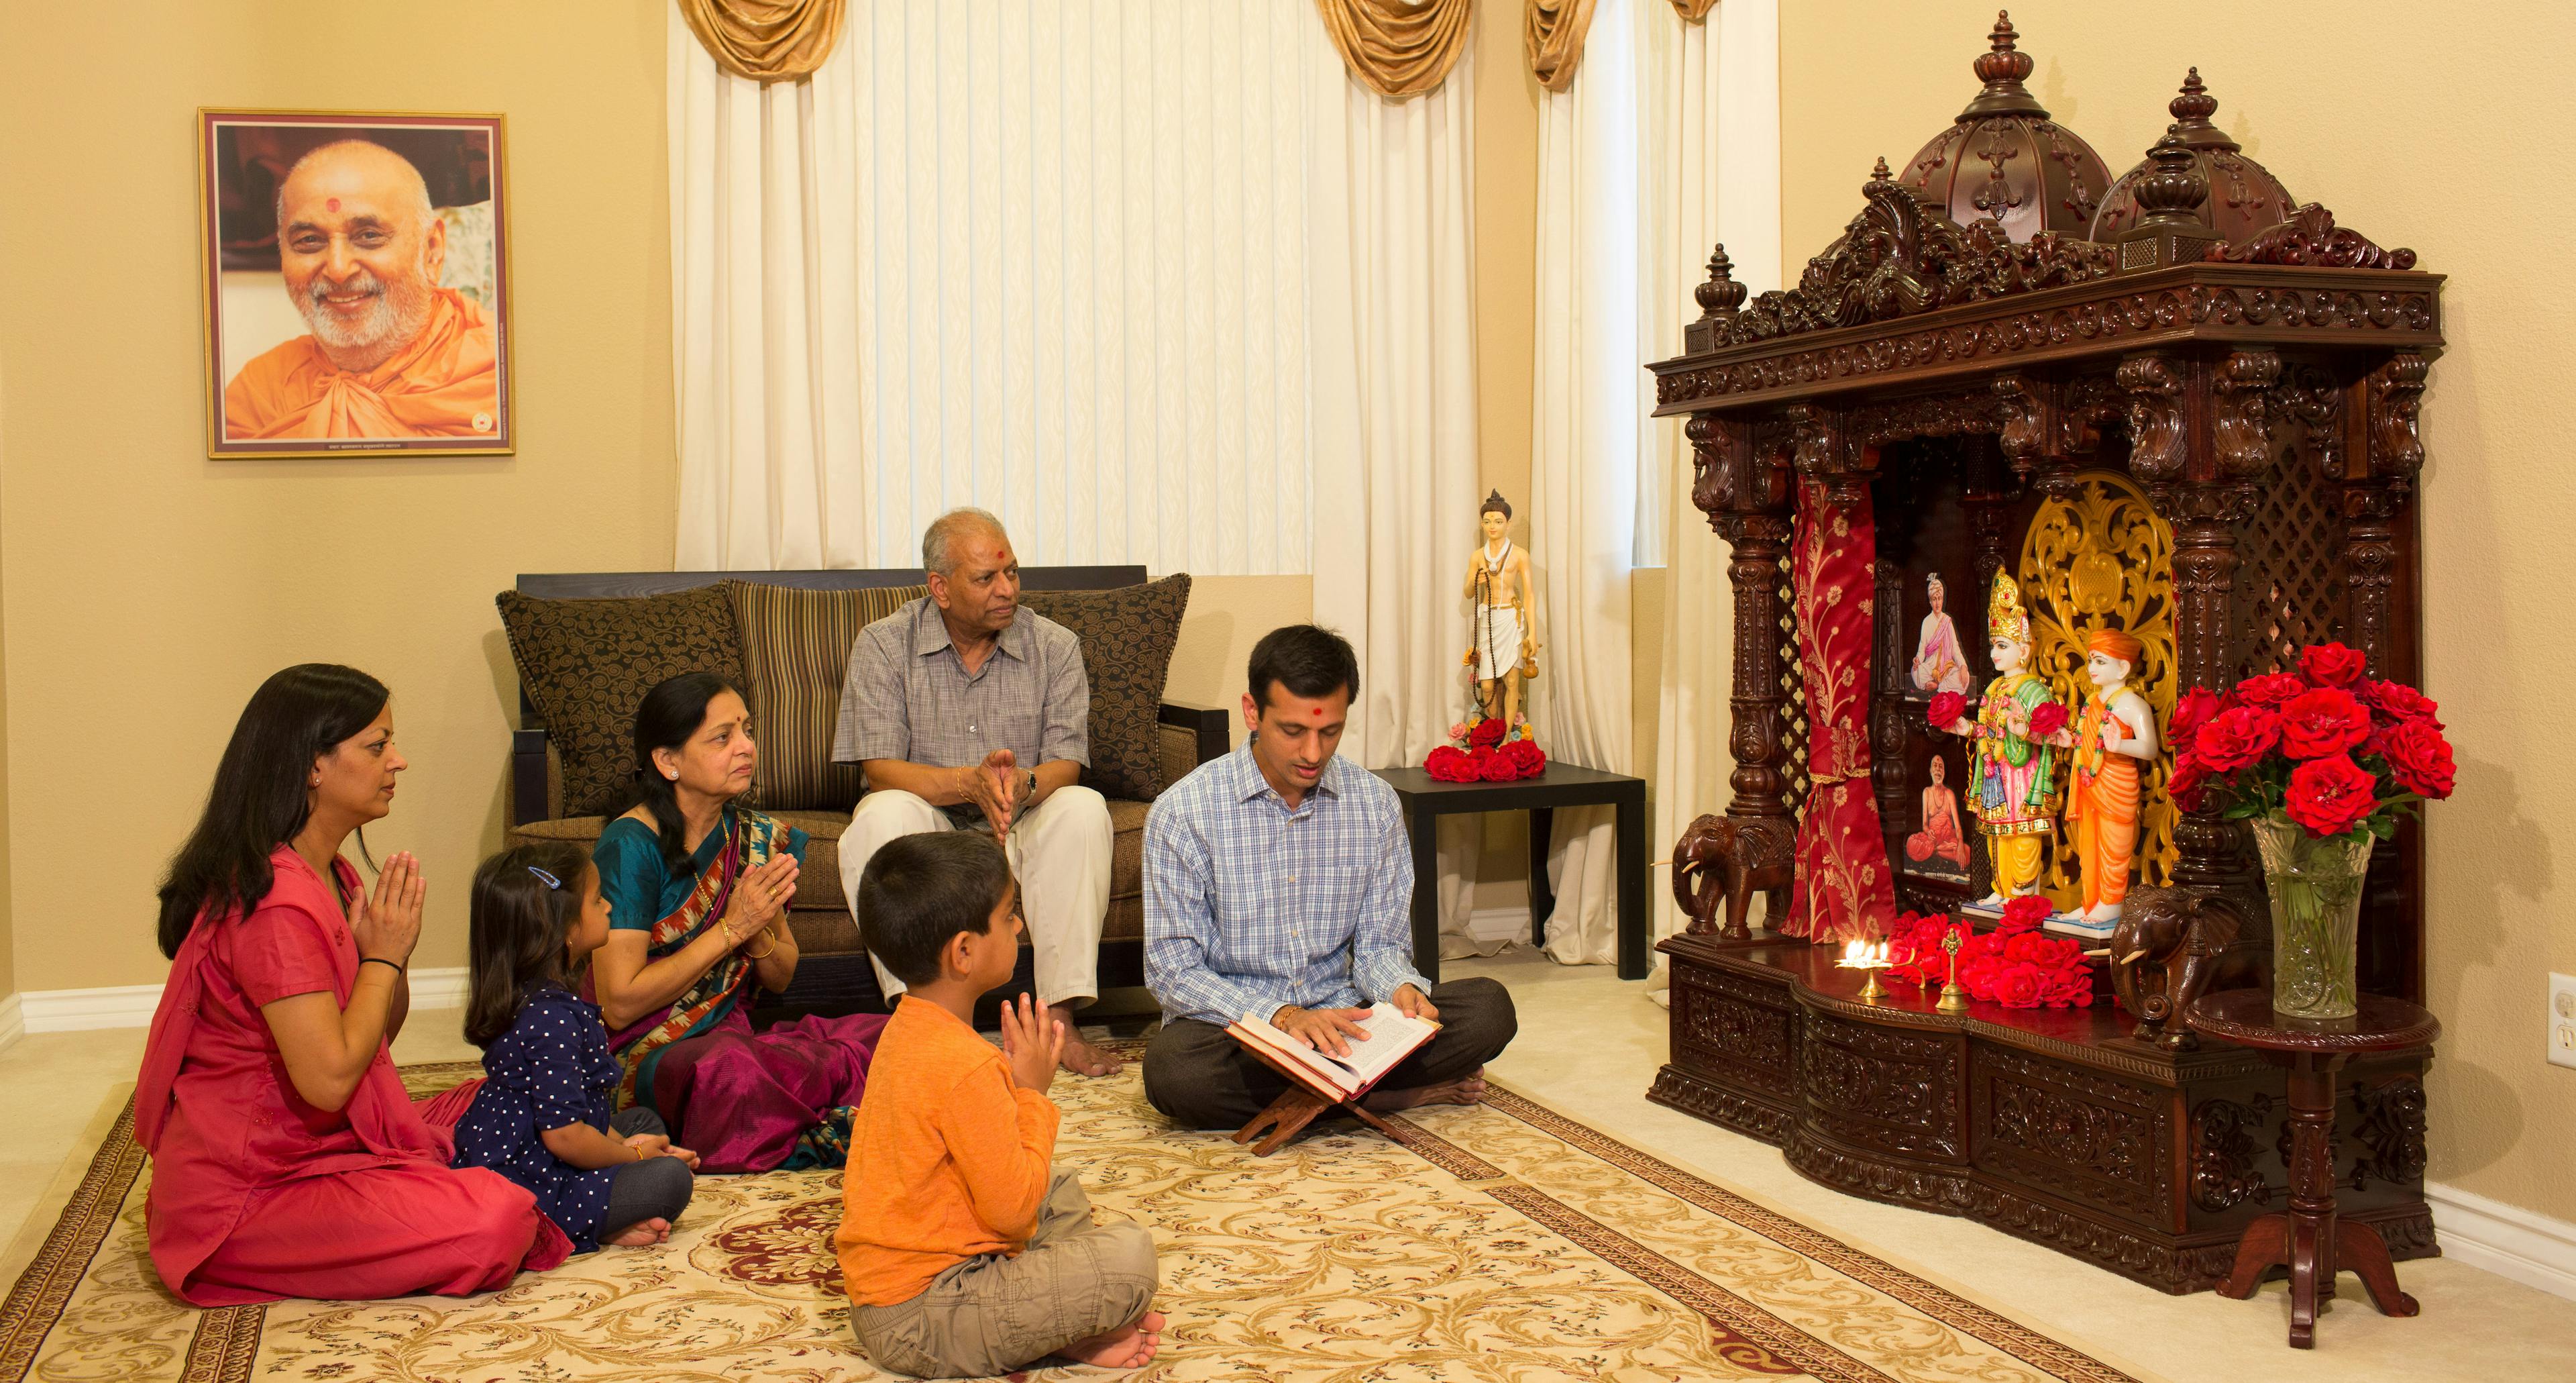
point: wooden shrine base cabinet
(2052, 1125)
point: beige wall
(1227, 616)
(149, 590)
(2430, 140)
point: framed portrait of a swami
(357, 284)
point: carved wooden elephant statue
(1731, 857)
(2166, 949)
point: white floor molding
(2506, 1240)
(131, 1005)
(13, 1020)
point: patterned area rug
(1501, 1242)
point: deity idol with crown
(2012, 773)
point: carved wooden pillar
(1888, 712)
(2379, 491)
(1746, 497)
(2204, 492)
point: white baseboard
(13, 1020)
(131, 1005)
(1500, 924)
(2507, 1240)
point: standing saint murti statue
(1502, 651)
(2112, 741)
(2012, 778)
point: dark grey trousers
(1201, 1078)
(655, 1188)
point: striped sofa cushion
(796, 649)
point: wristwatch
(1029, 788)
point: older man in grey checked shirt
(967, 712)
(1278, 884)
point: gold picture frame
(372, 318)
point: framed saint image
(356, 284)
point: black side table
(1427, 799)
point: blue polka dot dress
(552, 1068)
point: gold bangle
(764, 955)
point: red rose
(2331, 664)
(1526, 758)
(2271, 690)
(2193, 712)
(2017, 986)
(1947, 710)
(2024, 913)
(2027, 946)
(2046, 719)
(1496, 768)
(2398, 701)
(2420, 759)
(2233, 739)
(2068, 988)
(2323, 722)
(2188, 782)
(1488, 733)
(1449, 764)
(2331, 796)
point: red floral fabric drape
(1843, 888)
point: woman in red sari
(287, 1161)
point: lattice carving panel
(1793, 685)
(2289, 580)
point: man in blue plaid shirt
(1278, 884)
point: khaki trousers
(993, 1314)
(1060, 851)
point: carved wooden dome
(2004, 158)
(2244, 197)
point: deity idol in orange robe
(391, 353)
(2113, 737)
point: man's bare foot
(1130, 1346)
(1080, 1057)
(1467, 1089)
(641, 1234)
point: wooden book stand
(1296, 1107)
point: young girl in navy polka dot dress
(542, 1115)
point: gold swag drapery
(1693, 11)
(766, 40)
(1553, 32)
(1399, 48)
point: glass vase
(2315, 889)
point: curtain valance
(1398, 48)
(766, 40)
(1553, 32)
(1694, 11)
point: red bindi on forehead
(1317, 713)
(332, 204)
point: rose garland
(2015, 965)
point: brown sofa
(834, 975)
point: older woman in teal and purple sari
(698, 889)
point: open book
(1391, 1037)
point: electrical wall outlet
(2562, 1020)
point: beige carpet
(1499, 1242)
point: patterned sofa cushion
(586, 665)
(796, 650)
(1127, 636)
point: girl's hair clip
(551, 880)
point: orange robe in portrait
(446, 383)
(2103, 808)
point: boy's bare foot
(641, 1234)
(1130, 1346)
(1467, 1089)
(1080, 1057)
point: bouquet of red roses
(2332, 750)
(2015, 965)
(1486, 751)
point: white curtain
(1042, 256)
(1587, 398)
(1394, 421)
(1712, 158)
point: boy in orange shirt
(964, 1251)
